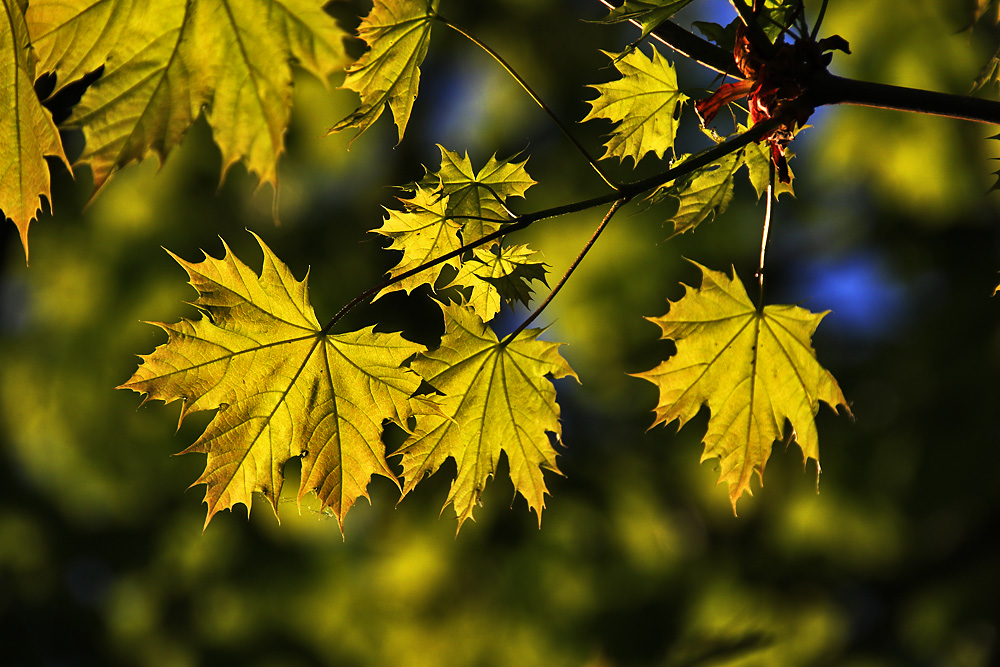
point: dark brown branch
(829, 88)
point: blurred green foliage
(639, 560)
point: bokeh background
(639, 560)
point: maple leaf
(498, 274)
(281, 386)
(166, 62)
(648, 14)
(705, 194)
(480, 195)
(388, 74)
(753, 369)
(495, 398)
(644, 103)
(27, 132)
(422, 231)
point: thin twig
(572, 267)
(627, 192)
(524, 84)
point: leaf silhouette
(495, 397)
(754, 370)
(166, 62)
(388, 74)
(480, 195)
(644, 104)
(27, 132)
(282, 387)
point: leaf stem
(572, 267)
(627, 192)
(544, 107)
(764, 234)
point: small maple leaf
(388, 73)
(281, 386)
(704, 194)
(422, 231)
(753, 369)
(480, 196)
(27, 132)
(643, 103)
(495, 397)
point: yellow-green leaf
(644, 103)
(165, 62)
(495, 398)
(27, 133)
(705, 194)
(754, 370)
(480, 195)
(281, 386)
(497, 274)
(388, 74)
(422, 231)
(647, 13)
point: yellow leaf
(754, 370)
(164, 62)
(281, 386)
(388, 74)
(27, 133)
(643, 104)
(495, 397)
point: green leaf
(989, 75)
(388, 74)
(705, 194)
(648, 14)
(282, 387)
(166, 62)
(644, 103)
(27, 133)
(423, 232)
(481, 194)
(754, 370)
(495, 398)
(757, 157)
(496, 274)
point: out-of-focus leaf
(754, 370)
(165, 62)
(27, 133)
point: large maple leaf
(753, 369)
(281, 386)
(643, 104)
(388, 73)
(27, 132)
(164, 62)
(495, 397)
